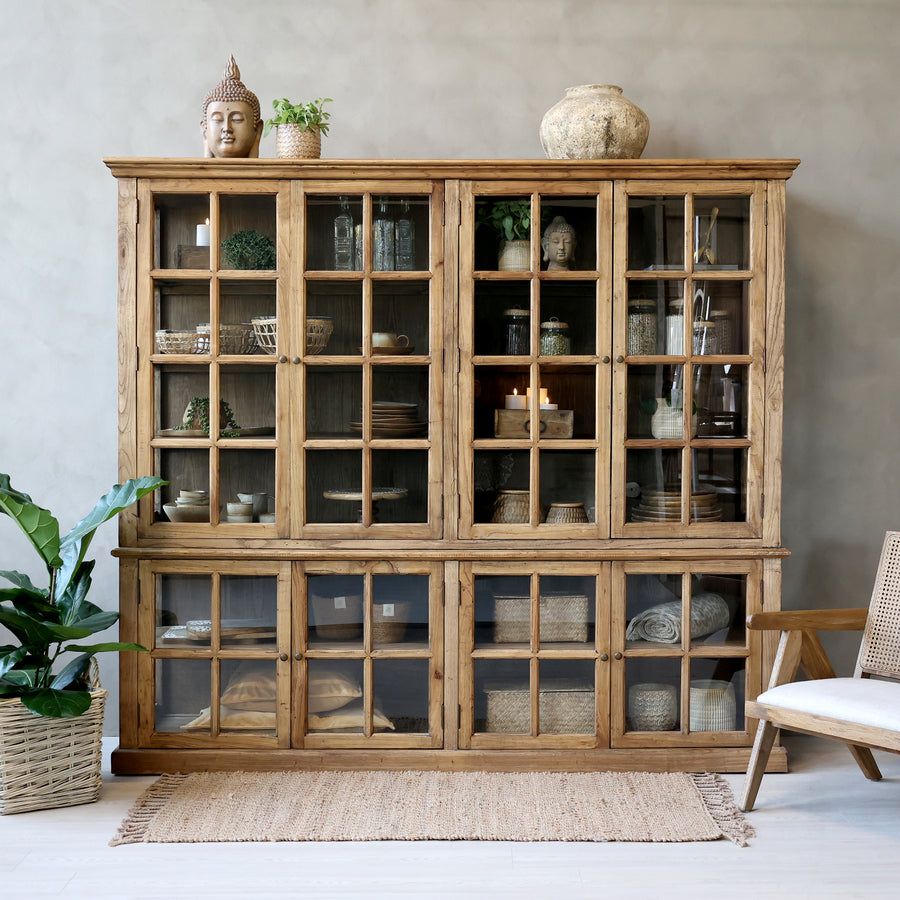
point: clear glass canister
(641, 328)
(555, 338)
(517, 327)
(675, 328)
(724, 331)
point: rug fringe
(146, 807)
(716, 794)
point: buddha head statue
(231, 123)
(559, 243)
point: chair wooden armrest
(809, 619)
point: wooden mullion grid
(368, 663)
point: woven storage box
(712, 706)
(46, 762)
(564, 617)
(390, 629)
(566, 707)
(338, 618)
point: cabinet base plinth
(688, 759)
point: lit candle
(203, 234)
(543, 396)
(514, 401)
(546, 404)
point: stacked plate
(390, 419)
(665, 506)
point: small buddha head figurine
(231, 123)
(559, 243)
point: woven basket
(318, 333)
(712, 706)
(291, 142)
(180, 342)
(47, 762)
(564, 617)
(338, 623)
(652, 707)
(390, 629)
(566, 707)
(233, 339)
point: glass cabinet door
(369, 640)
(535, 275)
(683, 660)
(368, 362)
(534, 663)
(218, 670)
(210, 281)
(688, 375)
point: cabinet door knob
(296, 360)
(604, 657)
(605, 360)
(620, 359)
(298, 656)
(617, 655)
(282, 359)
(283, 657)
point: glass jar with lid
(555, 338)
(641, 327)
(517, 331)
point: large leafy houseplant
(50, 622)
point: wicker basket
(233, 339)
(293, 141)
(564, 618)
(652, 707)
(47, 762)
(318, 333)
(390, 629)
(180, 342)
(712, 705)
(338, 618)
(566, 707)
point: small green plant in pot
(299, 127)
(49, 622)
(511, 222)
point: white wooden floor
(823, 831)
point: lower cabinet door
(218, 671)
(368, 641)
(683, 660)
(534, 662)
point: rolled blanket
(709, 613)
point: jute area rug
(435, 806)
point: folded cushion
(242, 719)
(348, 717)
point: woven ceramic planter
(292, 142)
(47, 762)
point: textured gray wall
(814, 79)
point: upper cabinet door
(366, 359)
(212, 270)
(534, 331)
(688, 341)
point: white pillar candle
(203, 234)
(542, 401)
(515, 401)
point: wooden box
(516, 423)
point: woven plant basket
(335, 622)
(713, 705)
(564, 618)
(390, 629)
(318, 332)
(291, 142)
(566, 707)
(46, 763)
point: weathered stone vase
(594, 121)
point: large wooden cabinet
(430, 508)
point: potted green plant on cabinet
(51, 705)
(299, 127)
(511, 221)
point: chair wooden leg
(762, 747)
(866, 762)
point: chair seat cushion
(864, 701)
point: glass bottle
(405, 239)
(343, 238)
(358, 247)
(383, 240)
(517, 327)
